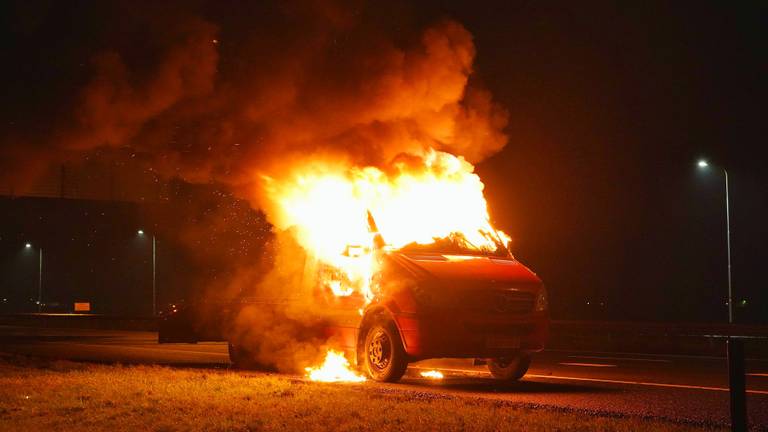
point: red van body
(432, 305)
(457, 307)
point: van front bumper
(447, 334)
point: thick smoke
(211, 104)
(231, 97)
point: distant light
(703, 164)
(28, 245)
(140, 232)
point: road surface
(678, 388)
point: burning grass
(37, 396)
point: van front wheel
(511, 368)
(383, 354)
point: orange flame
(343, 214)
(335, 368)
(432, 374)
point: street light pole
(704, 164)
(154, 276)
(40, 282)
(154, 271)
(728, 244)
(735, 346)
(736, 370)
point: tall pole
(154, 276)
(728, 244)
(735, 346)
(40, 282)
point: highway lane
(681, 388)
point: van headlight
(541, 300)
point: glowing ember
(334, 369)
(432, 374)
(344, 215)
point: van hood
(467, 270)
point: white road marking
(620, 358)
(641, 383)
(588, 364)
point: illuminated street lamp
(39, 277)
(735, 346)
(703, 164)
(154, 271)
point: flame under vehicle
(447, 299)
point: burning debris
(432, 374)
(335, 368)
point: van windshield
(457, 244)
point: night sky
(610, 106)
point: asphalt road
(680, 388)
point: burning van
(391, 266)
(448, 299)
(451, 300)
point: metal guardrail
(658, 338)
(666, 328)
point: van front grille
(501, 302)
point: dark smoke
(210, 98)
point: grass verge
(39, 395)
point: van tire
(383, 355)
(509, 369)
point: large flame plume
(342, 215)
